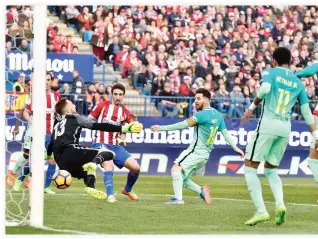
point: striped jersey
(51, 100)
(107, 112)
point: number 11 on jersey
(282, 108)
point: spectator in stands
(86, 19)
(247, 97)
(15, 31)
(8, 47)
(18, 86)
(58, 41)
(71, 15)
(121, 57)
(66, 89)
(63, 49)
(236, 108)
(24, 47)
(75, 50)
(27, 33)
(90, 97)
(68, 44)
(98, 40)
(109, 92)
(167, 106)
(78, 90)
(185, 87)
(222, 99)
(112, 49)
(26, 16)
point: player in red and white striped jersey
(114, 112)
(51, 99)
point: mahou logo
(21, 62)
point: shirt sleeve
(303, 98)
(222, 124)
(97, 110)
(266, 77)
(130, 117)
(308, 71)
(198, 118)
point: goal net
(18, 74)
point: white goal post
(38, 120)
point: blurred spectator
(18, 86)
(222, 99)
(236, 108)
(66, 89)
(71, 15)
(78, 90)
(68, 44)
(85, 18)
(167, 107)
(24, 47)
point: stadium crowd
(171, 51)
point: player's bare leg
(277, 189)
(177, 182)
(255, 190)
(132, 177)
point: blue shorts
(47, 140)
(121, 154)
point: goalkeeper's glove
(47, 157)
(134, 127)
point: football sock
(131, 180)
(90, 180)
(49, 174)
(313, 165)
(177, 183)
(255, 188)
(276, 185)
(189, 184)
(109, 182)
(26, 171)
(19, 164)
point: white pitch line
(170, 195)
(231, 184)
(67, 231)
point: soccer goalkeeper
(78, 160)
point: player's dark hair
(59, 107)
(204, 92)
(118, 86)
(282, 55)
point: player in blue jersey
(280, 89)
(207, 122)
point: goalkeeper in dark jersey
(78, 160)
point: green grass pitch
(72, 209)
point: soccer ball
(62, 179)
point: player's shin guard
(313, 165)
(90, 180)
(109, 182)
(26, 171)
(255, 189)
(103, 156)
(276, 185)
(131, 180)
(49, 174)
(177, 183)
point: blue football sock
(26, 171)
(49, 174)
(109, 183)
(131, 180)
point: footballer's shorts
(265, 147)
(73, 157)
(190, 162)
(28, 139)
(121, 154)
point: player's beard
(199, 106)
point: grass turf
(72, 209)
